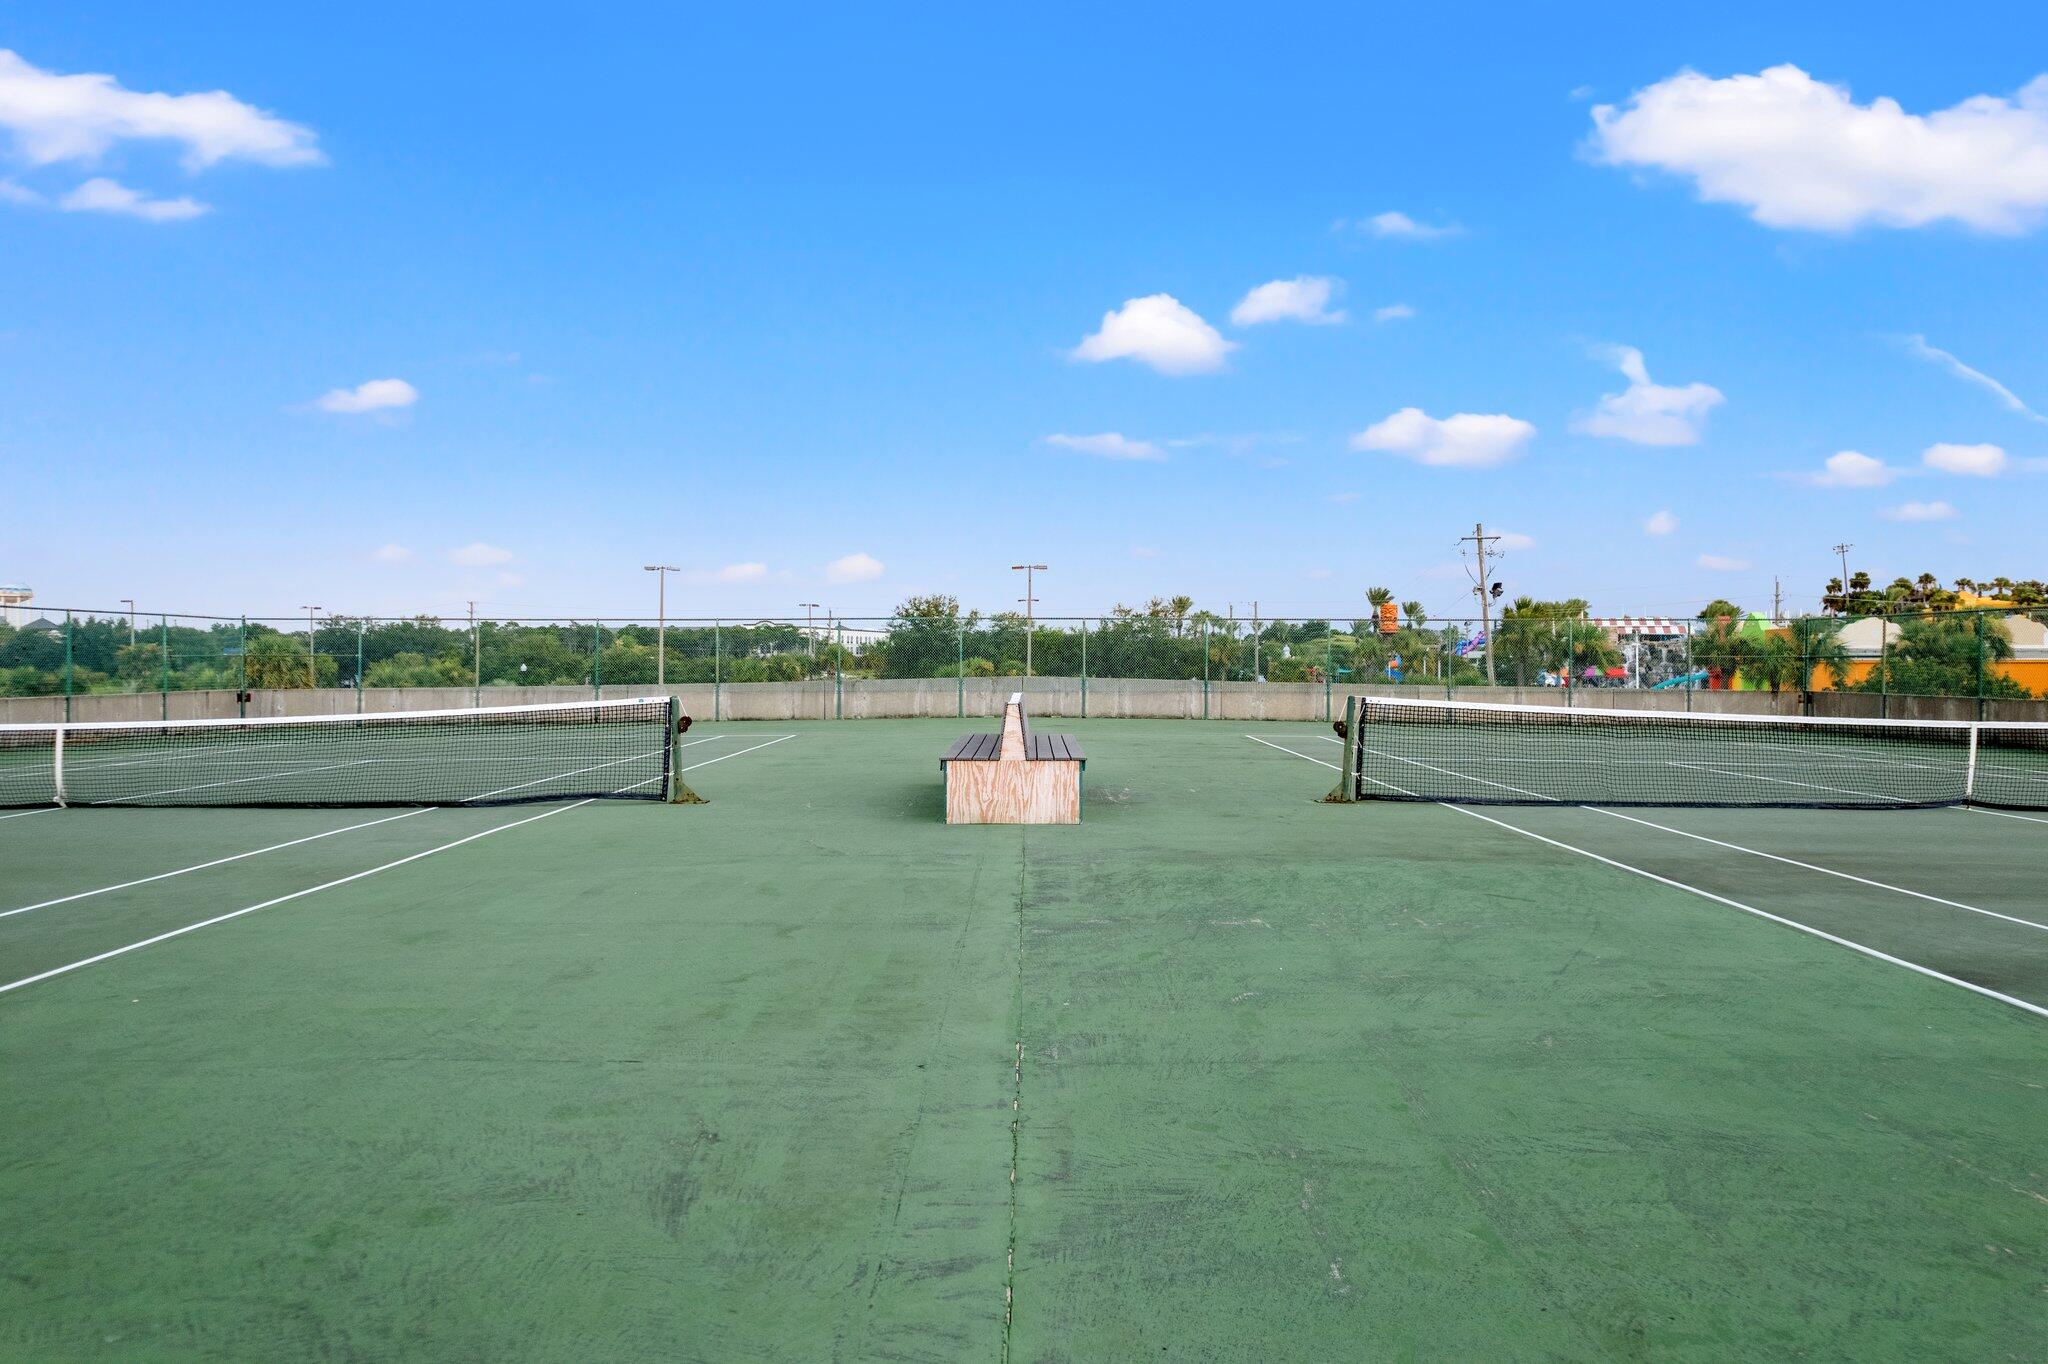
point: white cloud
(12, 193)
(1305, 298)
(376, 395)
(1920, 511)
(1157, 330)
(1515, 540)
(1852, 469)
(101, 195)
(1394, 224)
(1466, 439)
(511, 580)
(1917, 345)
(853, 568)
(1801, 153)
(1393, 312)
(741, 573)
(477, 554)
(77, 118)
(1660, 523)
(1108, 445)
(1645, 413)
(391, 554)
(1975, 461)
(1721, 563)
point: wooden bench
(1013, 776)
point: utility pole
(661, 572)
(312, 674)
(1777, 601)
(1843, 550)
(1481, 544)
(810, 636)
(129, 602)
(1030, 601)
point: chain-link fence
(1989, 654)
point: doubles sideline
(338, 881)
(1764, 914)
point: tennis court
(1222, 1072)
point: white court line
(1764, 914)
(282, 899)
(339, 881)
(735, 753)
(39, 810)
(1732, 847)
(216, 862)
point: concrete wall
(1044, 697)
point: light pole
(312, 673)
(810, 640)
(1030, 601)
(129, 602)
(661, 572)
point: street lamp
(129, 602)
(1030, 601)
(661, 572)
(810, 640)
(312, 673)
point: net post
(675, 790)
(1970, 767)
(1346, 789)
(57, 766)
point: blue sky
(835, 306)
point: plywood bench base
(1015, 776)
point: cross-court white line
(1719, 843)
(1764, 914)
(735, 753)
(282, 899)
(39, 810)
(216, 862)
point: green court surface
(1221, 1073)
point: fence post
(839, 671)
(1884, 667)
(1980, 664)
(1084, 670)
(241, 706)
(717, 668)
(1688, 665)
(361, 627)
(163, 635)
(597, 661)
(1329, 665)
(960, 671)
(67, 665)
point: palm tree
(1817, 642)
(1416, 616)
(1379, 596)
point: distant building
(14, 601)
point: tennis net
(489, 755)
(1481, 753)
